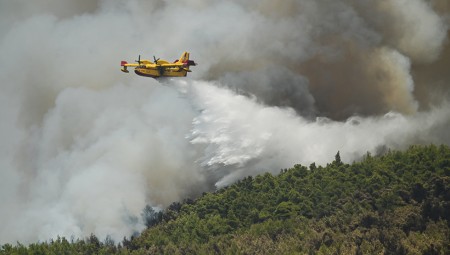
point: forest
(394, 203)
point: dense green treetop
(396, 203)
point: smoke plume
(85, 147)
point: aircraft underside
(154, 73)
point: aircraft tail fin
(184, 58)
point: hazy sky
(85, 147)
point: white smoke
(86, 147)
(254, 138)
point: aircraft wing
(173, 65)
(142, 63)
(125, 63)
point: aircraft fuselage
(160, 72)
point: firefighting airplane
(160, 68)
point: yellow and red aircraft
(160, 68)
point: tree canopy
(396, 203)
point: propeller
(139, 60)
(156, 60)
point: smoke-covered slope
(85, 147)
(396, 203)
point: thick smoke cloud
(86, 147)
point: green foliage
(150, 216)
(397, 203)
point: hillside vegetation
(397, 203)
